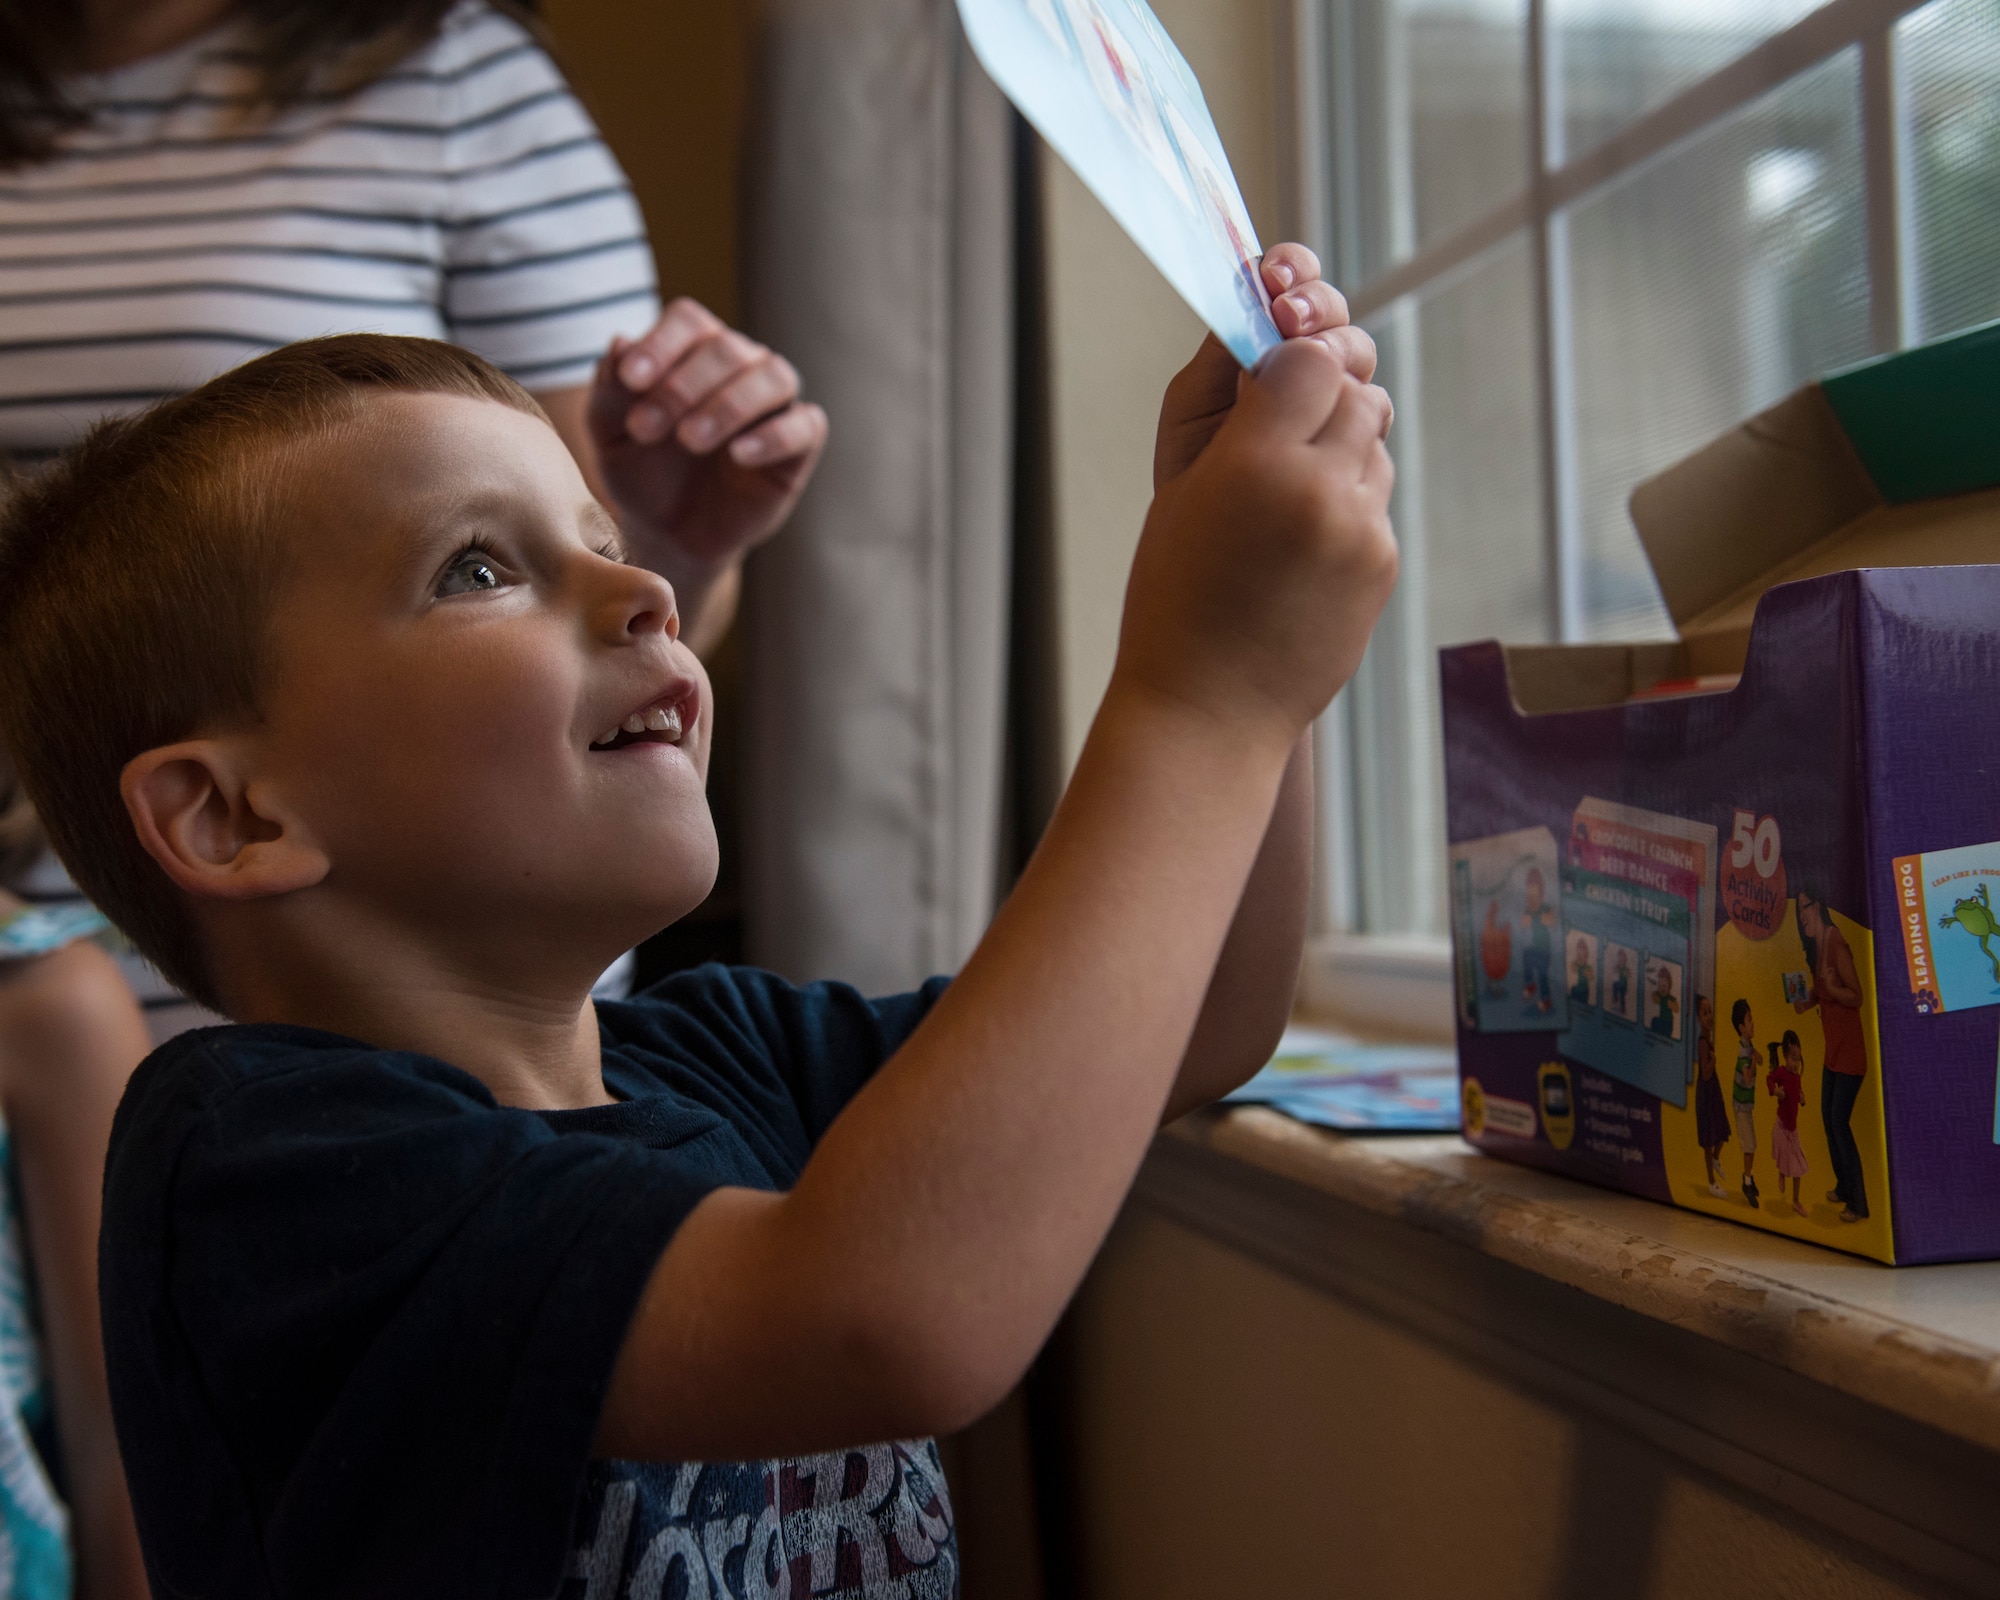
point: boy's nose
(638, 602)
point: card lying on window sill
(1103, 83)
(1333, 1081)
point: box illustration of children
(1743, 1093)
(1582, 968)
(1663, 982)
(1786, 1081)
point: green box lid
(1925, 422)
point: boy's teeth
(654, 719)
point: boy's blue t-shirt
(360, 1319)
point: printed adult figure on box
(1539, 919)
(1665, 1004)
(1836, 991)
(1582, 969)
(1711, 1116)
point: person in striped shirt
(187, 184)
(234, 175)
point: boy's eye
(470, 570)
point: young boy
(432, 1279)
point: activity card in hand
(1103, 83)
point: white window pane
(1430, 121)
(1950, 58)
(1468, 510)
(1612, 61)
(1704, 287)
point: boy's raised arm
(1250, 995)
(949, 1213)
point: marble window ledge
(1919, 1342)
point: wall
(665, 80)
(1117, 333)
(1238, 1432)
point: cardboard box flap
(1751, 501)
(1926, 423)
(1878, 465)
(1578, 677)
(1961, 531)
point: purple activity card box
(1726, 908)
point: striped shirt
(462, 195)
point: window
(1588, 235)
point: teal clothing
(1746, 1075)
(34, 1525)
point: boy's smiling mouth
(664, 721)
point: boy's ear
(213, 830)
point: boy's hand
(1305, 307)
(1266, 561)
(701, 438)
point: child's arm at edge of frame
(949, 1213)
(70, 1036)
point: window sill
(1865, 1398)
(1923, 1341)
(1388, 986)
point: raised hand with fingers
(1268, 553)
(1304, 306)
(702, 441)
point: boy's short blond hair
(138, 579)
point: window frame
(1401, 983)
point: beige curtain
(878, 250)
